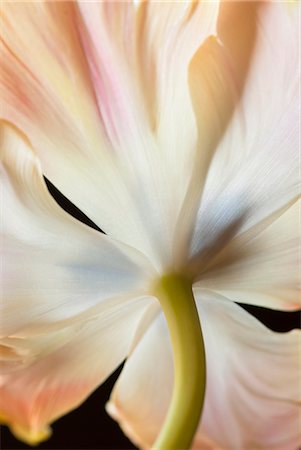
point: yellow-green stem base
(176, 297)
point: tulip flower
(174, 127)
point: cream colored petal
(253, 176)
(54, 373)
(45, 81)
(261, 268)
(131, 144)
(253, 383)
(139, 59)
(142, 393)
(258, 403)
(54, 267)
(215, 89)
(47, 91)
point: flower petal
(68, 314)
(52, 100)
(216, 90)
(54, 373)
(253, 383)
(212, 68)
(253, 176)
(55, 268)
(260, 268)
(139, 58)
(133, 163)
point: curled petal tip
(29, 435)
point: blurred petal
(261, 268)
(251, 372)
(135, 61)
(54, 373)
(253, 176)
(54, 266)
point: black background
(90, 427)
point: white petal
(215, 94)
(254, 173)
(54, 373)
(255, 374)
(253, 383)
(142, 393)
(153, 46)
(260, 268)
(54, 267)
(136, 162)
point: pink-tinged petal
(86, 107)
(253, 176)
(51, 98)
(260, 268)
(54, 268)
(139, 59)
(253, 383)
(72, 299)
(53, 379)
(257, 373)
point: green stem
(176, 297)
